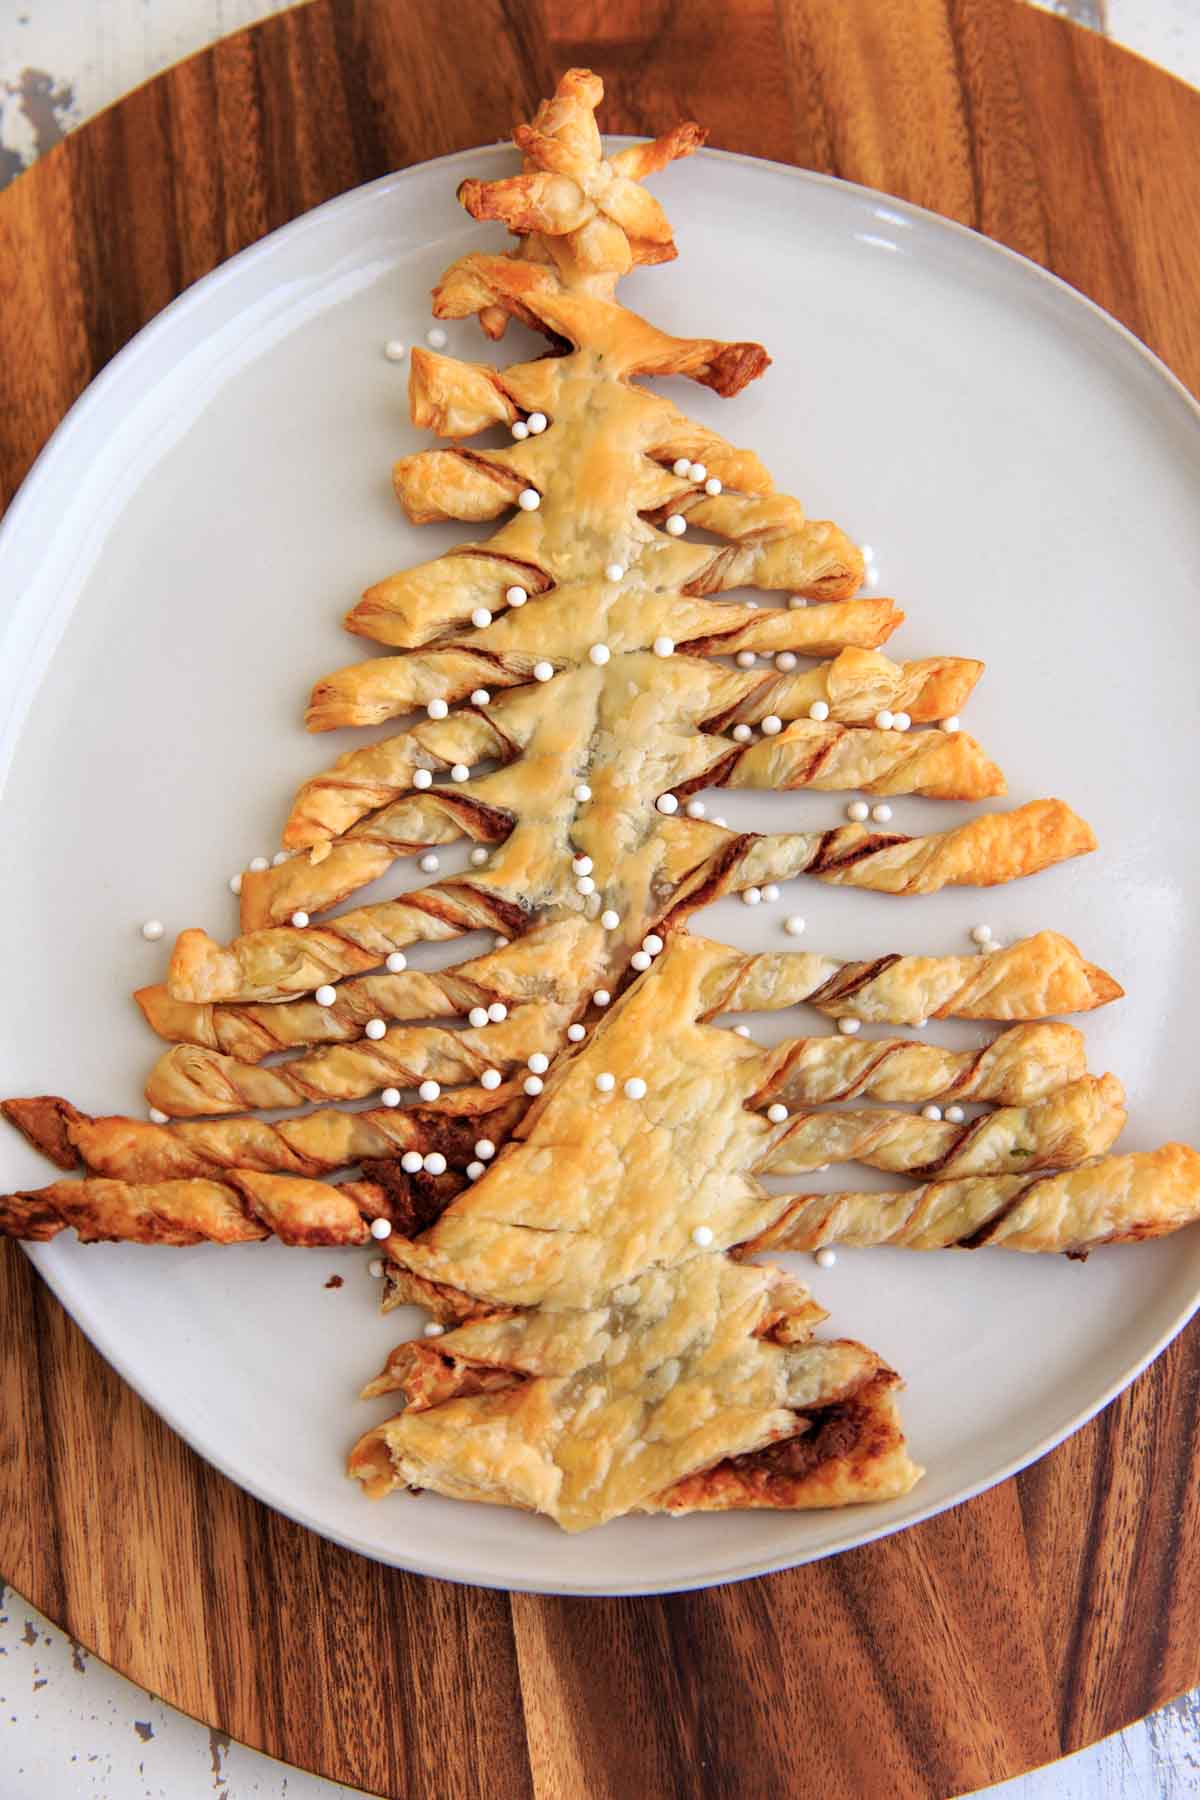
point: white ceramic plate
(173, 575)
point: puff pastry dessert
(576, 1190)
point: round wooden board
(1037, 1618)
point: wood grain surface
(1044, 1614)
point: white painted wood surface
(75, 1730)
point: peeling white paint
(76, 1730)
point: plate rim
(14, 522)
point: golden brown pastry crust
(1082, 1120)
(1115, 1200)
(1022, 1065)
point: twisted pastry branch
(1022, 1065)
(135, 1151)
(1031, 979)
(547, 964)
(190, 1082)
(1082, 1120)
(1116, 1200)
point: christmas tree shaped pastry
(575, 1190)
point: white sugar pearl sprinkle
(477, 1017)
(605, 1083)
(397, 962)
(640, 960)
(325, 995)
(479, 856)
(537, 423)
(785, 662)
(280, 857)
(881, 814)
(741, 734)
(981, 934)
(742, 1031)
(433, 1329)
(538, 1063)
(697, 472)
(543, 671)
(533, 1084)
(497, 1012)
(235, 884)
(858, 810)
(475, 1170)
(718, 820)
(499, 942)
(952, 723)
(437, 708)
(751, 896)
(652, 943)
(884, 720)
(485, 1149)
(381, 1228)
(529, 499)
(152, 929)
(460, 772)
(516, 596)
(826, 1258)
(712, 486)
(435, 337)
(796, 602)
(434, 1163)
(412, 1162)
(610, 918)
(955, 1114)
(772, 725)
(395, 350)
(429, 863)
(819, 710)
(601, 997)
(746, 659)
(680, 467)
(777, 1113)
(599, 654)
(258, 864)
(490, 1078)
(582, 865)
(481, 617)
(664, 646)
(157, 1117)
(300, 919)
(375, 1268)
(480, 697)
(635, 1088)
(582, 792)
(614, 572)
(676, 524)
(900, 721)
(702, 1236)
(933, 1113)
(585, 885)
(576, 1033)
(519, 429)
(422, 778)
(667, 803)
(696, 809)
(375, 1029)
(770, 893)
(849, 1027)
(794, 925)
(390, 1096)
